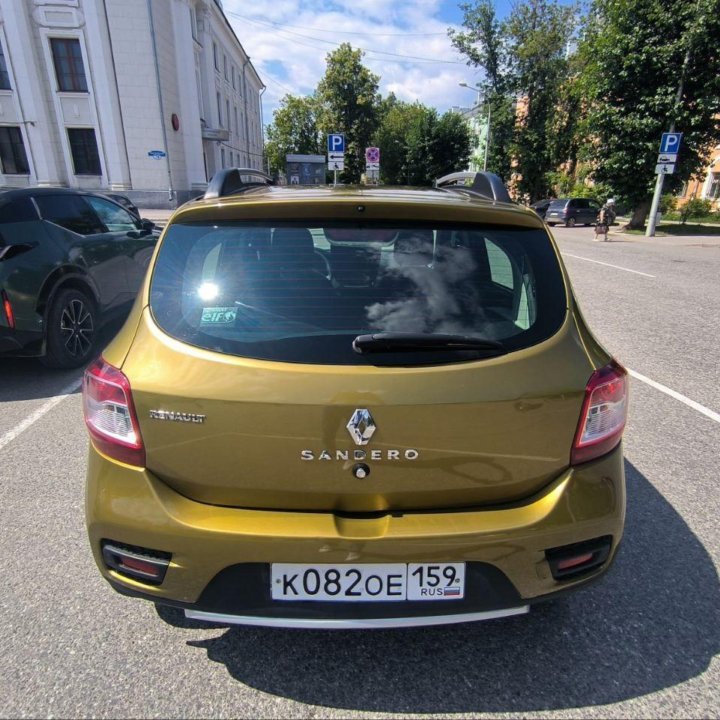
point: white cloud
(288, 40)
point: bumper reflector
(570, 561)
(148, 566)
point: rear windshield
(303, 293)
(558, 204)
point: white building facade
(144, 97)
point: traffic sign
(665, 169)
(667, 158)
(372, 155)
(336, 164)
(336, 156)
(372, 166)
(336, 143)
(670, 142)
(156, 154)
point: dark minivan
(572, 211)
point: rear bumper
(221, 557)
(20, 342)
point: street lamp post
(487, 134)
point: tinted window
(557, 205)
(115, 218)
(70, 212)
(302, 294)
(19, 210)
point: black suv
(572, 211)
(69, 260)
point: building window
(237, 127)
(219, 105)
(232, 159)
(215, 56)
(69, 68)
(714, 189)
(84, 149)
(193, 23)
(222, 157)
(12, 152)
(225, 66)
(227, 113)
(4, 75)
(232, 72)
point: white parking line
(617, 267)
(8, 437)
(690, 403)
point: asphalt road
(642, 643)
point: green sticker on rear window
(218, 316)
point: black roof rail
(230, 181)
(486, 184)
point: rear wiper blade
(419, 342)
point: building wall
(151, 85)
(705, 186)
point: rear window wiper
(422, 342)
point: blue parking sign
(336, 143)
(670, 142)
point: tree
(349, 102)
(633, 71)
(524, 58)
(294, 129)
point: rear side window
(70, 212)
(19, 210)
(557, 205)
(295, 293)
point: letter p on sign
(670, 142)
(336, 143)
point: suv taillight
(110, 414)
(603, 414)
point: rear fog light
(148, 566)
(570, 561)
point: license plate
(385, 582)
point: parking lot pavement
(642, 643)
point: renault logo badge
(361, 426)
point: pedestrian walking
(605, 219)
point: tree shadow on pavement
(651, 623)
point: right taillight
(603, 414)
(110, 414)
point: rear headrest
(292, 240)
(414, 248)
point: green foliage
(294, 130)
(417, 146)
(668, 203)
(525, 57)
(696, 208)
(349, 102)
(635, 53)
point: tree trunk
(640, 213)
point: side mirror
(148, 225)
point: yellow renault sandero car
(357, 407)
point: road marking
(617, 267)
(8, 437)
(690, 403)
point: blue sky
(406, 44)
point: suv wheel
(570, 222)
(71, 330)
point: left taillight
(603, 414)
(110, 414)
(7, 309)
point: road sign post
(336, 153)
(669, 148)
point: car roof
(404, 200)
(17, 193)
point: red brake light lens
(603, 415)
(110, 414)
(7, 307)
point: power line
(335, 31)
(329, 42)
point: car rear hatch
(380, 367)
(557, 209)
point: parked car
(125, 201)
(572, 211)
(69, 261)
(354, 407)
(540, 207)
